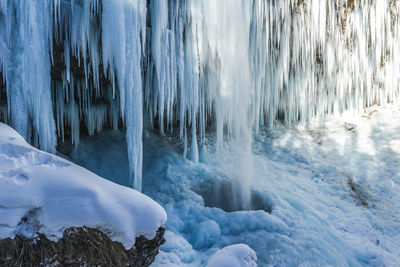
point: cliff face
(80, 246)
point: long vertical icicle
(124, 32)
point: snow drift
(42, 193)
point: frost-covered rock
(43, 193)
(239, 255)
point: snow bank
(40, 192)
(240, 255)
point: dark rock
(358, 192)
(80, 246)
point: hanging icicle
(232, 64)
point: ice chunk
(240, 255)
(205, 234)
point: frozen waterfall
(189, 66)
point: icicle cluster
(105, 39)
(25, 31)
(191, 64)
(316, 57)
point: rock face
(80, 246)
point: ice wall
(74, 66)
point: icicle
(28, 68)
(159, 52)
(124, 28)
(235, 64)
(185, 145)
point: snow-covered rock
(79, 246)
(239, 255)
(43, 193)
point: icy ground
(41, 192)
(333, 188)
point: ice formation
(239, 255)
(317, 181)
(228, 65)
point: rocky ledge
(81, 246)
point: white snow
(43, 193)
(301, 172)
(239, 255)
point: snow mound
(43, 193)
(239, 255)
(206, 233)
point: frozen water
(235, 256)
(333, 190)
(220, 193)
(222, 71)
(229, 66)
(206, 233)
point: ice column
(123, 42)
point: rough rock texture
(80, 246)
